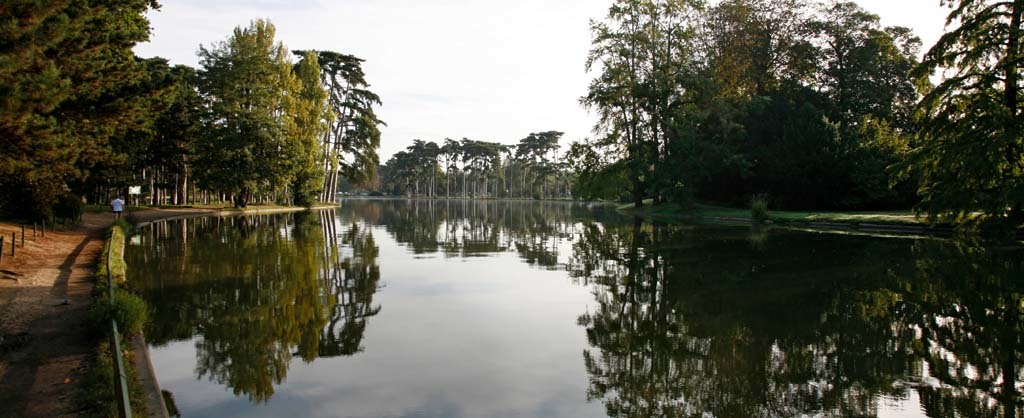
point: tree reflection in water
(353, 282)
(257, 291)
(475, 228)
(696, 323)
(688, 321)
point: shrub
(759, 207)
(130, 312)
(69, 207)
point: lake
(432, 308)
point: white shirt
(117, 204)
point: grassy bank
(97, 395)
(673, 212)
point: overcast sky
(482, 69)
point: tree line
(532, 168)
(84, 119)
(814, 104)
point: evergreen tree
(179, 126)
(451, 151)
(971, 152)
(156, 153)
(65, 68)
(538, 151)
(351, 142)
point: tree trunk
(152, 189)
(333, 197)
(326, 164)
(184, 186)
(638, 193)
(1013, 56)
(522, 189)
(242, 199)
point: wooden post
(44, 228)
(14, 242)
(23, 236)
(1, 249)
(34, 227)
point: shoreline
(893, 224)
(148, 216)
(45, 292)
(143, 364)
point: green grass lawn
(670, 211)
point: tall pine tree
(350, 144)
(64, 70)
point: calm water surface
(399, 308)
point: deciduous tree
(249, 82)
(312, 119)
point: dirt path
(44, 296)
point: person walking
(117, 205)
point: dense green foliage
(311, 120)
(253, 92)
(67, 73)
(806, 103)
(82, 118)
(157, 152)
(971, 155)
(814, 105)
(129, 310)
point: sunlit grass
(670, 211)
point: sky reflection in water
(493, 309)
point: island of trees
(813, 104)
(801, 104)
